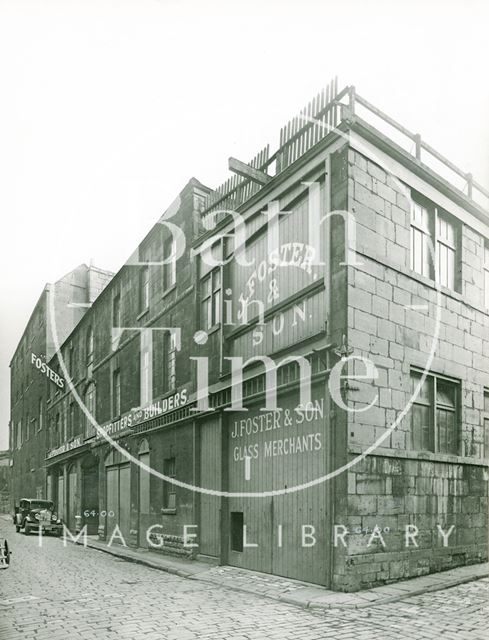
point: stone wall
(392, 318)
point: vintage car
(33, 513)
(4, 554)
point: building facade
(293, 378)
(5, 481)
(58, 310)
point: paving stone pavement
(70, 592)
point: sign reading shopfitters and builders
(128, 420)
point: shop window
(169, 490)
(210, 299)
(435, 414)
(430, 224)
(170, 267)
(237, 523)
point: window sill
(168, 512)
(420, 456)
(142, 314)
(167, 292)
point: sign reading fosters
(43, 368)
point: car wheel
(27, 529)
(17, 528)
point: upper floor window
(210, 299)
(486, 273)
(445, 251)
(89, 351)
(434, 242)
(72, 423)
(41, 415)
(170, 267)
(116, 310)
(170, 362)
(143, 288)
(116, 393)
(146, 376)
(435, 414)
(90, 430)
(486, 423)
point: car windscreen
(41, 504)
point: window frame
(485, 421)
(143, 288)
(169, 489)
(170, 361)
(486, 273)
(211, 298)
(431, 267)
(90, 399)
(116, 393)
(169, 275)
(435, 406)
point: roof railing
(319, 117)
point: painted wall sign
(43, 368)
(66, 446)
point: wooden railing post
(417, 142)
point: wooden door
(211, 465)
(144, 514)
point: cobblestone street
(57, 592)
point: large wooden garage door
(210, 464)
(118, 501)
(284, 449)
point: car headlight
(37, 516)
(58, 521)
(54, 518)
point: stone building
(60, 305)
(5, 480)
(294, 377)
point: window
(89, 351)
(210, 299)
(41, 415)
(116, 311)
(169, 492)
(486, 423)
(237, 524)
(19, 434)
(72, 425)
(169, 268)
(90, 430)
(428, 222)
(445, 251)
(434, 414)
(420, 235)
(146, 376)
(116, 393)
(170, 361)
(143, 288)
(486, 273)
(57, 430)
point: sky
(108, 108)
